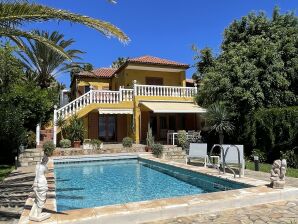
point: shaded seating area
(192, 136)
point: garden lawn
(265, 167)
(4, 171)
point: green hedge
(274, 130)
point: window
(87, 89)
(163, 122)
(154, 81)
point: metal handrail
(223, 153)
(239, 163)
(210, 154)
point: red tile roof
(156, 61)
(99, 72)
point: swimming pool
(92, 183)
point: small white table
(173, 134)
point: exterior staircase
(175, 153)
(30, 157)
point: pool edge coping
(153, 210)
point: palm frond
(18, 12)
(45, 62)
(9, 32)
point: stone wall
(107, 148)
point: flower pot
(148, 149)
(76, 144)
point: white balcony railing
(114, 97)
(172, 91)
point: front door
(107, 127)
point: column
(136, 118)
(55, 126)
(37, 135)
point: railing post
(91, 96)
(120, 93)
(37, 134)
(55, 126)
(135, 87)
(196, 88)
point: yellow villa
(115, 103)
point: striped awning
(115, 111)
(173, 107)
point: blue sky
(162, 28)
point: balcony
(124, 95)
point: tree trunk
(221, 138)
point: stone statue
(40, 187)
(277, 174)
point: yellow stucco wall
(95, 82)
(126, 77)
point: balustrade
(113, 97)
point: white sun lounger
(197, 150)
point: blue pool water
(98, 183)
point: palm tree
(219, 118)
(118, 62)
(44, 62)
(14, 14)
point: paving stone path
(284, 212)
(14, 191)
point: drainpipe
(55, 126)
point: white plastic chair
(197, 150)
(232, 156)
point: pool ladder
(223, 154)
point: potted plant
(75, 131)
(149, 140)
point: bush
(65, 143)
(48, 148)
(149, 138)
(31, 140)
(127, 142)
(260, 154)
(157, 149)
(75, 129)
(95, 143)
(273, 130)
(292, 159)
(182, 139)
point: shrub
(157, 149)
(260, 154)
(75, 129)
(95, 143)
(273, 130)
(48, 148)
(182, 139)
(149, 138)
(65, 143)
(31, 140)
(127, 142)
(292, 159)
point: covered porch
(108, 125)
(165, 117)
